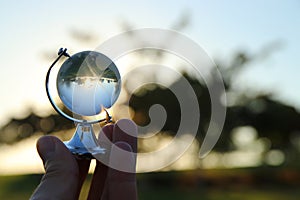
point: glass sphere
(87, 82)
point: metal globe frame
(84, 142)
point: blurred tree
(18, 129)
(272, 119)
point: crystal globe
(88, 82)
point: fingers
(62, 174)
(122, 155)
(83, 166)
(100, 173)
(121, 175)
(120, 140)
(122, 180)
(125, 130)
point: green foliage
(18, 187)
(190, 185)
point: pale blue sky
(30, 28)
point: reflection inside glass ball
(87, 82)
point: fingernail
(126, 130)
(122, 158)
(46, 147)
(127, 126)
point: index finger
(100, 173)
(125, 130)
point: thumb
(61, 177)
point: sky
(33, 30)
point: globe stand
(83, 143)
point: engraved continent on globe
(87, 82)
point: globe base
(84, 143)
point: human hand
(65, 174)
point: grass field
(173, 185)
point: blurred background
(255, 45)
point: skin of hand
(65, 174)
